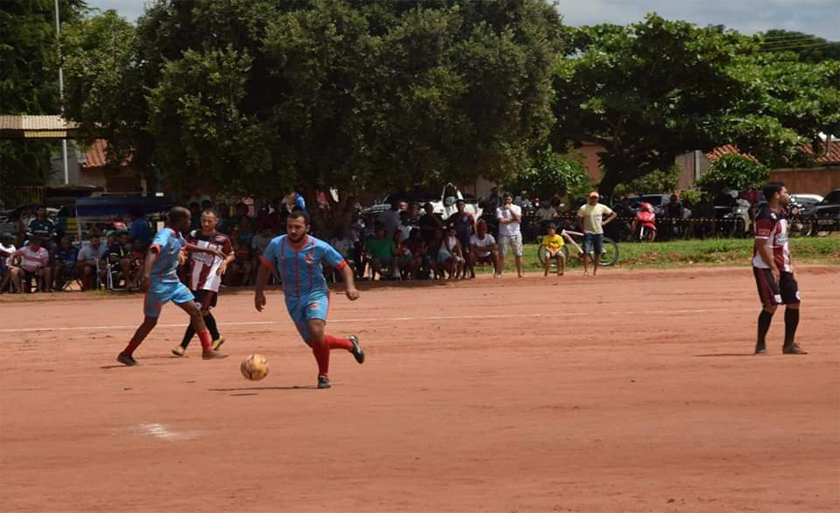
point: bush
(733, 172)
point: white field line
(360, 320)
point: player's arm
(151, 258)
(349, 280)
(192, 248)
(259, 292)
(763, 233)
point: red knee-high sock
(322, 356)
(338, 343)
(206, 340)
(129, 349)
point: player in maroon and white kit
(206, 272)
(774, 274)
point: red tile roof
(96, 156)
(832, 156)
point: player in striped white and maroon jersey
(205, 276)
(772, 268)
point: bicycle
(609, 250)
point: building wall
(591, 160)
(809, 181)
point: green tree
(29, 81)
(807, 47)
(733, 172)
(550, 172)
(657, 182)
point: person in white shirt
(591, 217)
(546, 212)
(510, 237)
(483, 249)
(7, 248)
(90, 258)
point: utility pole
(61, 92)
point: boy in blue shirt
(161, 285)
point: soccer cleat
(179, 350)
(357, 351)
(324, 382)
(218, 343)
(793, 348)
(760, 348)
(126, 359)
(212, 355)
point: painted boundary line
(404, 319)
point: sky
(818, 17)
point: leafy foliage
(733, 172)
(550, 172)
(656, 182)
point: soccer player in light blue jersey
(299, 258)
(161, 285)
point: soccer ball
(255, 367)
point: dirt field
(634, 391)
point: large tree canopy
(29, 80)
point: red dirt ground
(555, 394)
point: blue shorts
(314, 306)
(161, 293)
(593, 243)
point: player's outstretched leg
(188, 335)
(126, 357)
(791, 323)
(197, 321)
(210, 321)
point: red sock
(338, 343)
(129, 349)
(322, 356)
(206, 340)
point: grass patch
(709, 252)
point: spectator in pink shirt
(35, 263)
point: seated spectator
(138, 262)
(343, 242)
(119, 257)
(65, 263)
(91, 261)
(554, 243)
(7, 249)
(259, 243)
(419, 256)
(464, 224)
(428, 223)
(404, 227)
(382, 253)
(35, 264)
(484, 249)
(546, 212)
(239, 271)
(453, 245)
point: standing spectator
(65, 263)
(195, 212)
(413, 215)
(417, 249)
(140, 230)
(241, 220)
(404, 227)
(563, 202)
(259, 243)
(89, 261)
(428, 223)
(390, 219)
(674, 211)
(510, 236)
(705, 215)
(591, 217)
(40, 225)
(7, 249)
(546, 212)
(464, 224)
(344, 242)
(35, 265)
(493, 201)
(483, 249)
(243, 264)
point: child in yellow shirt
(553, 243)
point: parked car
(806, 201)
(444, 204)
(826, 214)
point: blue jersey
(301, 268)
(168, 244)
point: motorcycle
(737, 221)
(799, 225)
(644, 223)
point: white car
(444, 206)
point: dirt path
(493, 395)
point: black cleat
(324, 382)
(126, 359)
(760, 348)
(357, 351)
(793, 348)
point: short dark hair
(299, 214)
(771, 188)
(178, 214)
(209, 211)
(551, 226)
(507, 195)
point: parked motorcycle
(799, 225)
(644, 224)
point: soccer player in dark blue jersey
(299, 258)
